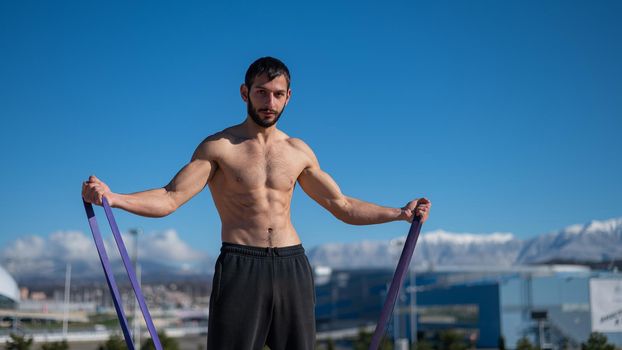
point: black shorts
(262, 296)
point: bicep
(319, 185)
(190, 180)
(321, 188)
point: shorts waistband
(262, 251)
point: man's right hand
(93, 190)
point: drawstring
(271, 251)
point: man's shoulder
(298, 144)
(228, 136)
(214, 145)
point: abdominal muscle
(259, 218)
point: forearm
(357, 212)
(151, 203)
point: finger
(95, 185)
(99, 190)
(88, 189)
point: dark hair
(266, 65)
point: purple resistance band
(398, 279)
(103, 257)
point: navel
(270, 236)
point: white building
(9, 293)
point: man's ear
(289, 95)
(244, 92)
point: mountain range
(593, 242)
(36, 258)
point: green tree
(328, 344)
(450, 340)
(564, 344)
(167, 343)
(17, 342)
(114, 342)
(57, 345)
(363, 341)
(524, 344)
(501, 343)
(597, 341)
(422, 345)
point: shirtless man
(263, 290)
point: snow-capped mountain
(593, 242)
(435, 248)
(596, 241)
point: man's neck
(254, 131)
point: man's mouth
(267, 111)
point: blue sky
(506, 114)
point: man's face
(266, 100)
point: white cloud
(49, 255)
(165, 246)
(30, 247)
(71, 246)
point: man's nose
(272, 100)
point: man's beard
(250, 109)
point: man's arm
(325, 191)
(189, 181)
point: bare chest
(249, 167)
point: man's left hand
(419, 207)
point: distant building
(9, 293)
(553, 306)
